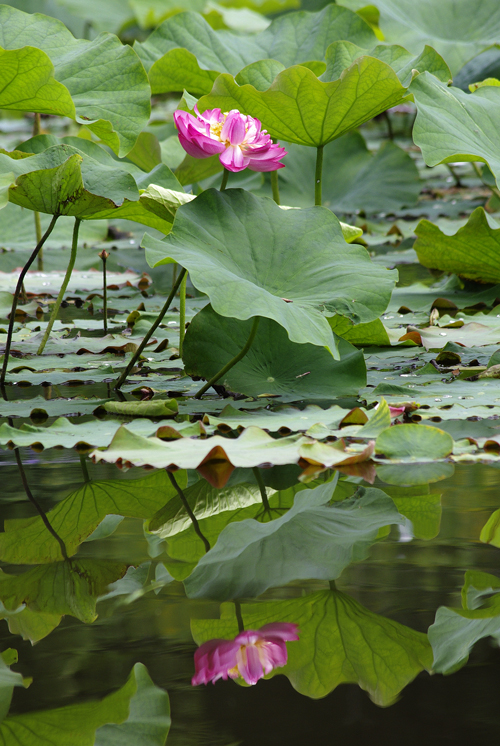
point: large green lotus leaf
(341, 54)
(28, 83)
(186, 53)
(54, 590)
(414, 443)
(452, 125)
(353, 178)
(300, 108)
(293, 266)
(27, 541)
(472, 252)
(273, 365)
(485, 65)
(312, 540)
(184, 550)
(8, 680)
(252, 448)
(81, 723)
(455, 631)
(148, 721)
(106, 80)
(340, 642)
(457, 29)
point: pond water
(403, 578)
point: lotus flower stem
(190, 513)
(236, 359)
(38, 233)
(71, 264)
(104, 256)
(262, 488)
(32, 500)
(275, 187)
(16, 296)
(182, 313)
(225, 177)
(318, 175)
(148, 336)
(239, 616)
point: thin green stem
(318, 175)
(225, 177)
(85, 471)
(182, 313)
(495, 191)
(262, 488)
(275, 186)
(174, 274)
(71, 264)
(189, 511)
(236, 359)
(16, 296)
(148, 336)
(38, 233)
(104, 256)
(239, 616)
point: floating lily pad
(414, 443)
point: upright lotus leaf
(456, 631)
(27, 541)
(458, 29)
(452, 125)
(28, 83)
(293, 266)
(300, 108)
(353, 178)
(312, 540)
(340, 642)
(341, 54)
(8, 680)
(273, 365)
(482, 67)
(186, 53)
(105, 79)
(56, 590)
(83, 722)
(472, 252)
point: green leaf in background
(455, 631)
(77, 724)
(273, 365)
(8, 680)
(472, 252)
(340, 642)
(113, 96)
(301, 109)
(353, 178)
(148, 720)
(313, 540)
(414, 443)
(223, 239)
(455, 126)
(6, 181)
(341, 54)
(17, 231)
(28, 83)
(185, 53)
(490, 532)
(54, 590)
(423, 510)
(27, 541)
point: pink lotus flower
(396, 411)
(251, 655)
(237, 138)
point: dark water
(403, 579)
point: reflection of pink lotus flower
(251, 655)
(238, 139)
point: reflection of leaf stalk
(148, 336)
(71, 264)
(275, 186)
(84, 469)
(182, 313)
(236, 359)
(225, 177)
(262, 488)
(104, 256)
(188, 510)
(32, 500)
(239, 616)
(16, 296)
(318, 175)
